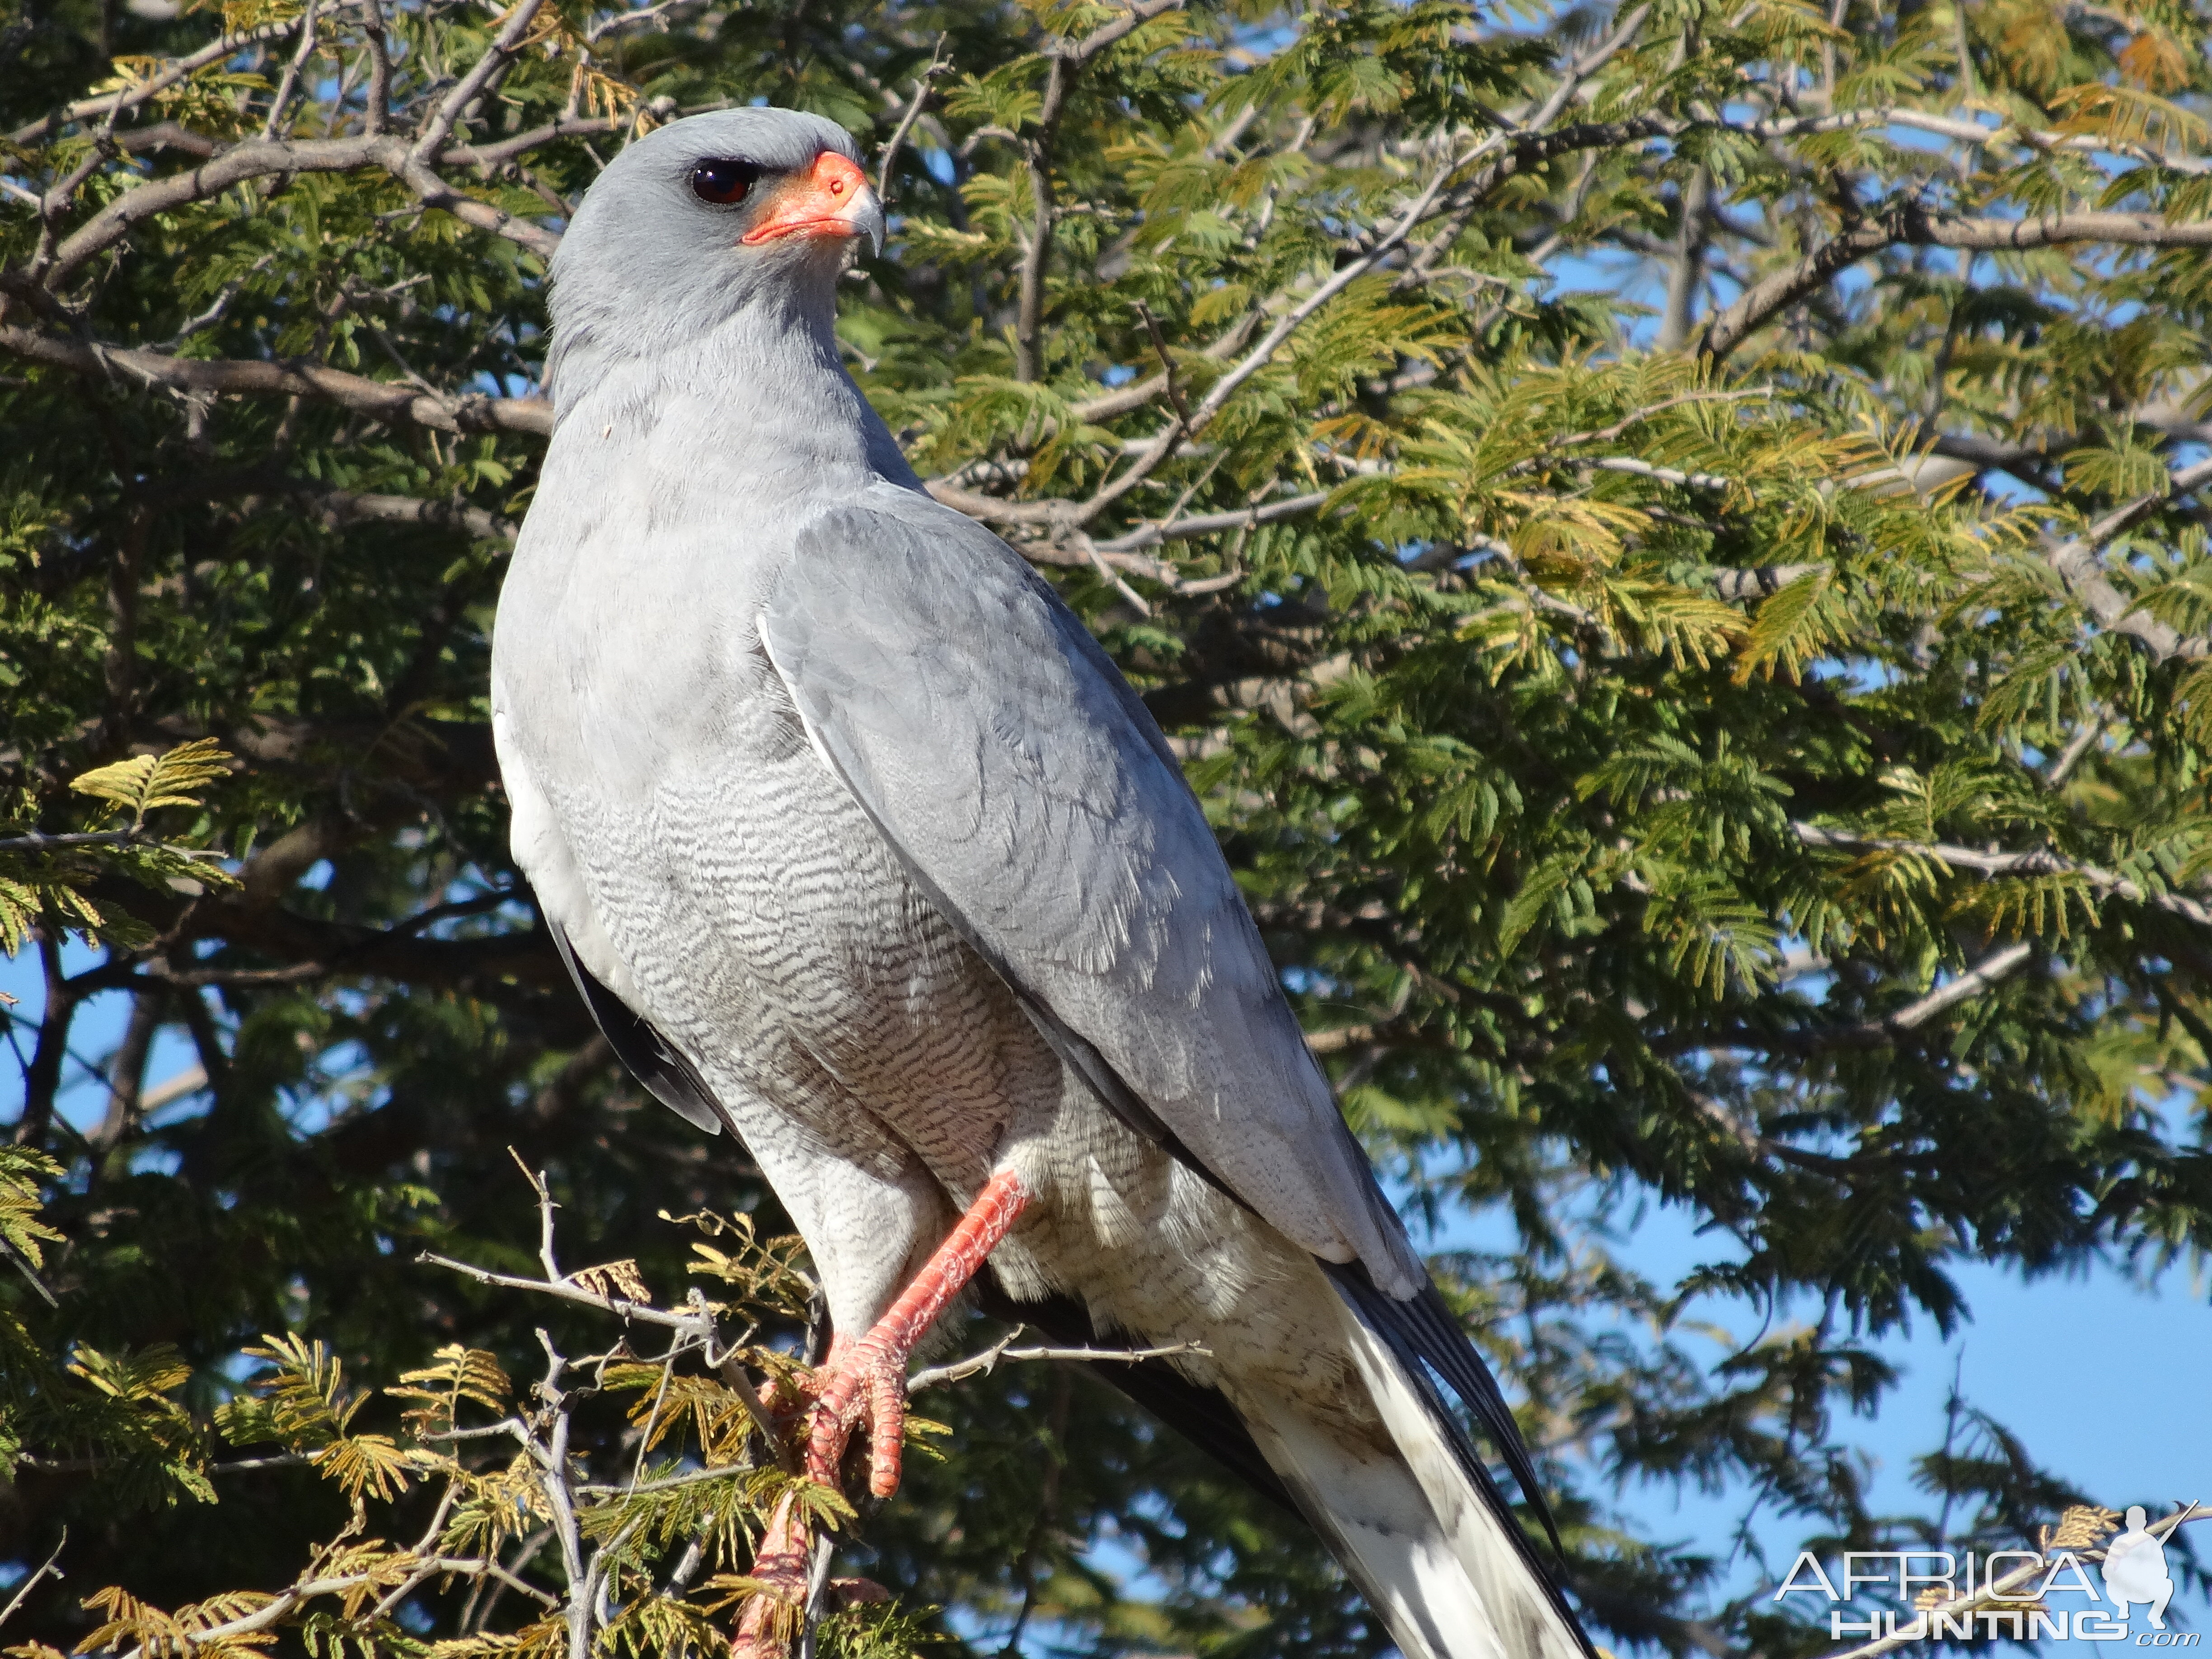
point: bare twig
(983, 1364)
(2036, 863)
(2078, 564)
(1218, 394)
(1208, 524)
(2070, 756)
(1587, 65)
(922, 85)
(377, 99)
(620, 1308)
(487, 157)
(37, 843)
(289, 82)
(1910, 224)
(126, 99)
(1068, 62)
(1979, 978)
(1762, 582)
(553, 1480)
(469, 412)
(31, 1582)
(286, 1601)
(415, 166)
(545, 1208)
(438, 126)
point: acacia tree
(1671, 541)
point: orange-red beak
(831, 198)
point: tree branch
(260, 158)
(438, 126)
(2080, 566)
(1068, 62)
(983, 1364)
(1909, 224)
(2036, 863)
(177, 68)
(385, 401)
(1983, 973)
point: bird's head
(705, 218)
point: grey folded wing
(1029, 795)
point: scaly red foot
(771, 1620)
(866, 1382)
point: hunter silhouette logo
(2134, 1570)
(2026, 1594)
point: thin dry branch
(984, 1364)
(438, 126)
(1588, 64)
(1068, 62)
(1759, 582)
(1910, 224)
(923, 82)
(37, 841)
(695, 1320)
(1972, 133)
(414, 164)
(126, 99)
(488, 156)
(385, 401)
(31, 1580)
(2036, 863)
(2079, 564)
(1208, 524)
(1186, 428)
(1983, 973)
(285, 1601)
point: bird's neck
(763, 389)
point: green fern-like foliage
(51, 879)
(144, 783)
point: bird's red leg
(771, 1618)
(868, 1380)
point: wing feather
(1022, 782)
(652, 1059)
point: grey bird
(859, 847)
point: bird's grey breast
(757, 917)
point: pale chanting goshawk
(860, 847)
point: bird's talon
(866, 1384)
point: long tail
(1418, 1524)
(1426, 1532)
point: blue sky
(2108, 1381)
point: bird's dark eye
(724, 181)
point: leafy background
(1670, 541)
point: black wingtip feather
(1430, 1344)
(652, 1059)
